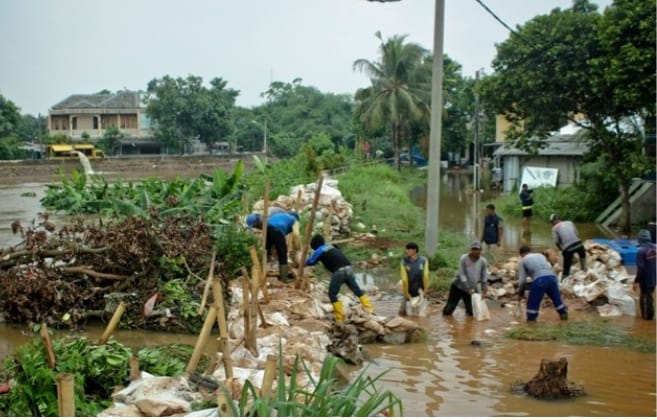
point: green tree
(10, 117)
(183, 109)
(31, 128)
(597, 71)
(397, 88)
(296, 112)
(111, 140)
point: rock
(394, 337)
(160, 408)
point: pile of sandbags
(606, 283)
(333, 211)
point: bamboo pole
(263, 273)
(208, 282)
(271, 372)
(260, 313)
(222, 405)
(223, 329)
(301, 280)
(265, 220)
(113, 323)
(201, 340)
(252, 314)
(135, 371)
(50, 354)
(296, 245)
(249, 344)
(65, 394)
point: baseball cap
(475, 245)
(251, 219)
(553, 217)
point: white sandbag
(479, 308)
(618, 294)
(417, 306)
(608, 310)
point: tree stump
(551, 381)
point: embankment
(132, 168)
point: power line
(497, 18)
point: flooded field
(447, 376)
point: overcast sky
(51, 49)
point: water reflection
(463, 210)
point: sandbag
(479, 308)
(417, 306)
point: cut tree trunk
(551, 381)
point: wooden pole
(135, 371)
(208, 282)
(265, 220)
(222, 405)
(113, 323)
(65, 394)
(249, 344)
(201, 340)
(262, 279)
(301, 280)
(260, 313)
(252, 315)
(223, 329)
(50, 354)
(271, 372)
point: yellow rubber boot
(366, 304)
(339, 313)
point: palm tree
(395, 96)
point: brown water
(447, 376)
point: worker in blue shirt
(337, 263)
(279, 225)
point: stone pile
(605, 284)
(333, 215)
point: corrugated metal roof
(555, 146)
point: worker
(491, 236)
(341, 271)
(567, 239)
(544, 281)
(645, 274)
(527, 201)
(472, 277)
(414, 275)
(279, 225)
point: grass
(597, 332)
(381, 197)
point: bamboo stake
(65, 394)
(263, 274)
(50, 354)
(252, 314)
(135, 372)
(201, 340)
(208, 281)
(265, 220)
(113, 323)
(246, 291)
(263, 321)
(301, 280)
(271, 372)
(223, 329)
(222, 405)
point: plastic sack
(479, 308)
(417, 306)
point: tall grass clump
(323, 398)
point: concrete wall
(568, 167)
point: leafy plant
(323, 398)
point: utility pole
(476, 135)
(435, 132)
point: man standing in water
(492, 232)
(414, 275)
(645, 274)
(566, 238)
(544, 281)
(527, 202)
(471, 278)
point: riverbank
(125, 168)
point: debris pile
(605, 283)
(333, 215)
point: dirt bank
(134, 168)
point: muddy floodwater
(447, 375)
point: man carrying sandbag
(536, 266)
(471, 278)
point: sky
(51, 49)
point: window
(74, 123)
(95, 123)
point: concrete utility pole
(476, 136)
(435, 133)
